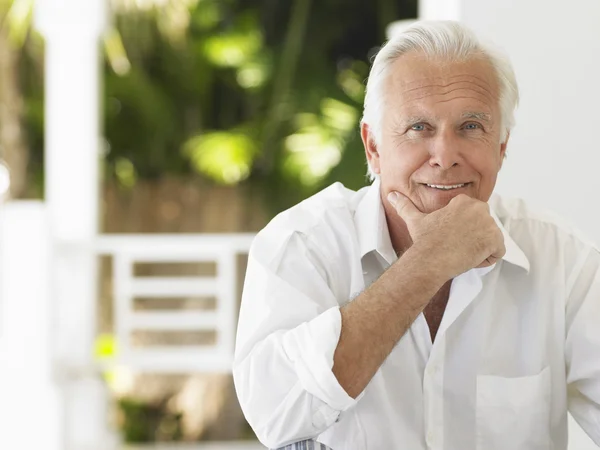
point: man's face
(441, 131)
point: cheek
(488, 171)
(402, 160)
(486, 159)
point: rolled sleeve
(288, 331)
(310, 348)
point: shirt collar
(371, 225)
(514, 254)
(373, 233)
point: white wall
(555, 148)
(554, 152)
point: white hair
(447, 41)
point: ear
(371, 152)
(503, 149)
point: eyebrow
(411, 120)
(473, 115)
(484, 117)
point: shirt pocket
(513, 413)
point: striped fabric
(305, 445)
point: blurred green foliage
(261, 93)
(147, 422)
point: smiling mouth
(446, 187)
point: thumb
(404, 206)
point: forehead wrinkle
(480, 81)
(469, 75)
(464, 97)
(475, 87)
(411, 100)
(485, 94)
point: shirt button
(432, 370)
(430, 438)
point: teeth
(439, 186)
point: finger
(500, 248)
(404, 207)
(496, 255)
(489, 261)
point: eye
(418, 127)
(472, 126)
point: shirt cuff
(310, 347)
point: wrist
(425, 263)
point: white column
(553, 153)
(72, 29)
(30, 410)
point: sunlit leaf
(233, 49)
(318, 145)
(313, 160)
(208, 15)
(224, 156)
(238, 45)
(18, 19)
(338, 115)
(253, 75)
(305, 120)
(311, 153)
(115, 52)
(174, 20)
(351, 80)
(121, 6)
(125, 172)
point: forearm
(284, 383)
(375, 321)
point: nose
(444, 152)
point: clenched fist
(458, 237)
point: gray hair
(447, 41)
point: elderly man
(422, 312)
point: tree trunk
(13, 148)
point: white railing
(220, 249)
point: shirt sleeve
(288, 330)
(582, 346)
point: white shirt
(518, 345)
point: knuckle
(492, 225)
(483, 206)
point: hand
(456, 238)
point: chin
(439, 200)
(430, 207)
